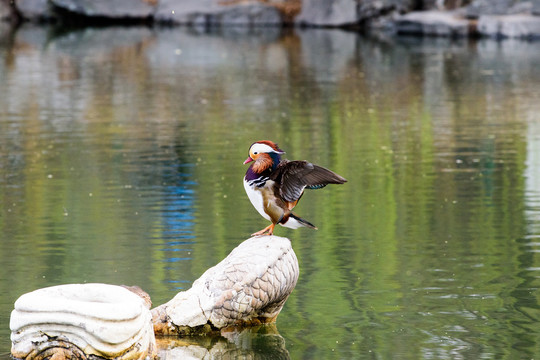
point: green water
(121, 155)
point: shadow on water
(125, 35)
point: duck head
(264, 149)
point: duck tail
(303, 222)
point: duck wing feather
(294, 176)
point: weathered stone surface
(328, 13)
(250, 15)
(375, 14)
(216, 13)
(184, 12)
(349, 12)
(510, 26)
(109, 8)
(263, 272)
(488, 7)
(35, 10)
(501, 7)
(368, 9)
(434, 23)
(6, 10)
(96, 319)
(536, 8)
(517, 21)
(443, 4)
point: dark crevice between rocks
(69, 18)
(62, 21)
(206, 329)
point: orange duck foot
(269, 229)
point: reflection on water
(121, 156)
(532, 178)
(262, 342)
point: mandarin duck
(274, 186)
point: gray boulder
(536, 8)
(488, 7)
(434, 23)
(443, 4)
(6, 10)
(250, 15)
(185, 12)
(501, 7)
(523, 26)
(109, 8)
(328, 13)
(368, 9)
(215, 13)
(349, 12)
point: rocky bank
(462, 18)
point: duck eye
(255, 152)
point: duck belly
(256, 197)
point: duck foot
(269, 229)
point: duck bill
(248, 160)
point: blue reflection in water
(177, 235)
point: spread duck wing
(294, 176)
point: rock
(185, 12)
(492, 7)
(535, 8)
(249, 15)
(510, 26)
(369, 9)
(443, 4)
(81, 319)
(434, 23)
(250, 286)
(524, 7)
(141, 293)
(349, 12)
(7, 11)
(289, 9)
(328, 13)
(109, 8)
(35, 10)
(217, 13)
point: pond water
(121, 155)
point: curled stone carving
(85, 320)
